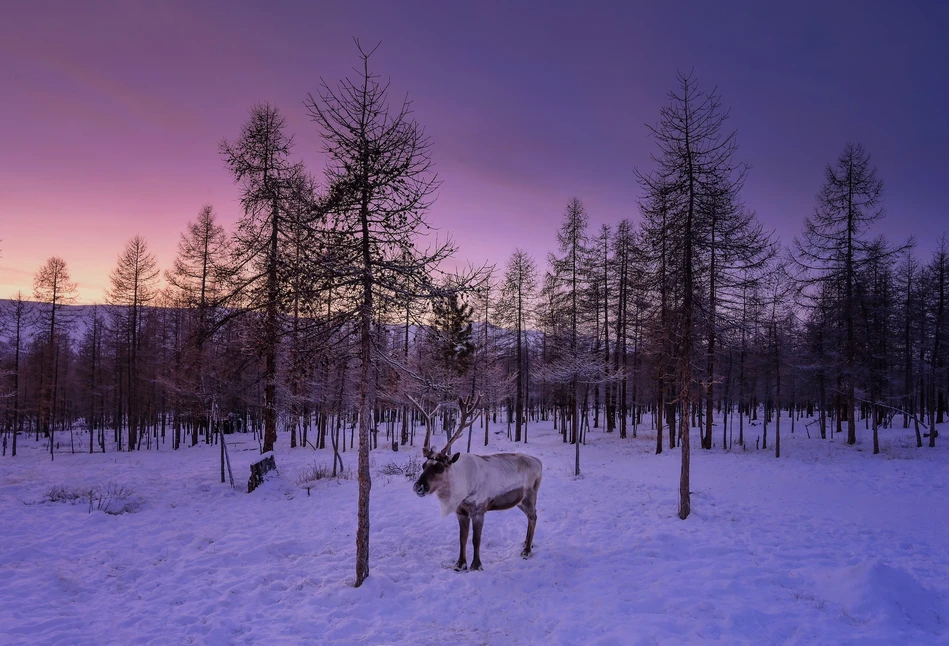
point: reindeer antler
(427, 447)
(465, 407)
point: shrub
(321, 471)
(112, 498)
(411, 468)
(62, 493)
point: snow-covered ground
(827, 545)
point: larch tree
(201, 269)
(272, 186)
(53, 287)
(305, 290)
(734, 246)
(661, 247)
(634, 309)
(624, 264)
(938, 272)
(568, 278)
(14, 324)
(133, 285)
(833, 248)
(517, 292)
(776, 288)
(695, 162)
(90, 376)
(200, 276)
(876, 315)
(907, 281)
(598, 270)
(485, 366)
(380, 184)
(452, 327)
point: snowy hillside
(75, 319)
(828, 545)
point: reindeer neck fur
(457, 484)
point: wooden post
(259, 469)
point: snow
(828, 544)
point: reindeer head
(435, 470)
(434, 473)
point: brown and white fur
(471, 485)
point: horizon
(525, 108)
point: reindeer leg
(463, 522)
(477, 520)
(529, 507)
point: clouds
(118, 107)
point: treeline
(324, 311)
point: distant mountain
(77, 318)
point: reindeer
(471, 485)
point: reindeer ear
(454, 458)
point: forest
(333, 313)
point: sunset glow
(111, 112)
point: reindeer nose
(421, 488)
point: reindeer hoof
(526, 554)
(461, 567)
(476, 566)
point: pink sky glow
(111, 112)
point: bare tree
(452, 329)
(938, 271)
(568, 279)
(272, 188)
(201, 270)
(134, 284)
(90, 374)
(695, 163)
(662, 250)
(517, 291)
(380, 185)
(15, 324)
(628, 287)
(487, 369)
(53, 287)
(201, 277)
(734, 247)
(833, 248)
(907, 285)
(777, 297)
(598, 270)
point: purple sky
(111, 112)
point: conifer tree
(517, 292)
(380, 184)
(53, 287)
(695, 163)
(200, 277)
(273, 189)
(134, 284)
(833, 248)
(452, 324)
